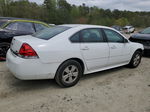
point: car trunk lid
(18, 41)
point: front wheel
(136, 59)
(3, 50)
(69, 73)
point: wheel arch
(139, 49)
(130, 63)
(80, 61)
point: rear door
(94, 48)
(119, 47)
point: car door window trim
(100, 31)
(124, 40)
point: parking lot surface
(121, 89)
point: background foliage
(61, 12)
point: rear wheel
(136, 59)
(3, 50)
(69, 73)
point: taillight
(26, 51)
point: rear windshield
(2, 23)
(48, 33)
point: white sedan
(66, 52)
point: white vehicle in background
(52, 24)
(66, 52)
(129, 29)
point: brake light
(27, 51)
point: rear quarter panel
(59, 48)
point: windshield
(2, 23)
(48, 33)
(146, 31)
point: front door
(119, 49)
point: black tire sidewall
(60, 70)
(4, 43)
(132, 60)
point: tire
(136, 59)
(3, 50)
(69, 73)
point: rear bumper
(29, 69)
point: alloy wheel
(70, 74)
(137, 59)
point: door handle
(113, 47)
(85, 48)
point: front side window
(39, 27)
(21, 26)
(113, 36)
(91, 35)
(48, 33)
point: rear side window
(91, 35)
(21, 26)
(48, 33)
(12, 26)
(75, 38)
(113, 36)
(39, 27)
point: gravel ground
(116, 90)
(121, 89)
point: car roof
(128, 26)
(84, 25)
(14, 18)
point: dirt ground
(116, 90)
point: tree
(60, 12)
(4, 7)
(84, 10)
(122, 21)
(63, 12)
(50, 8)
(74, 13)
